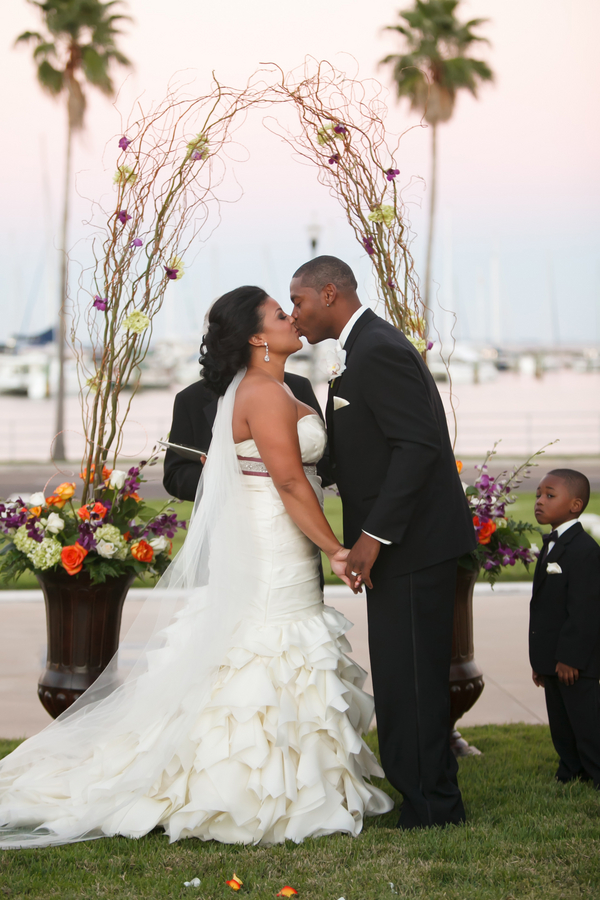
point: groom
(406, 520)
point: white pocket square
(339, 402)
(553, 569)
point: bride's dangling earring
(267, 358)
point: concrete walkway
(500, 618)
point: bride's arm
(273, 421)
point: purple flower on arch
(391, 284)
(171, 273)
(429, 345)
(391, 174)
(123, 217)
(100, 303)
(124, 143)
(136, 242)
(196, 155)
(368, 244)
(340, 129)
(334, 159)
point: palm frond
(95, 67)
(51, 79)
(29, 36)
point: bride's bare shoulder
(259, 391)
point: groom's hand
(361, 560)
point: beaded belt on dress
(253, 466)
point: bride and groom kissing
(241, 719)
(405, 516)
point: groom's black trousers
(410, 645)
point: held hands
(566, 674)
(337, 561)
(360, 562)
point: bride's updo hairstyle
(232, 320)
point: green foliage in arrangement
(527, 837)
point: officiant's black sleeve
(190, 427)
(395, 388)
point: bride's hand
(338, 566)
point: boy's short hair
(577, 483)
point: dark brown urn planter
(83, 621)
(466, 678)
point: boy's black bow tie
(548, 538)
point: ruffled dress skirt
(275, 754)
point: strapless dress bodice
(311, 435)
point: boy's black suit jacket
(564, 620)
(390, 453)
(194, 414)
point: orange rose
(72, 558)
(485, 529)
(65, 490)
(459, 466)
(98, 509)
(105, 473)
(35, 511)
(55, 501)
(142, 551)
(134, 496)
(127, 536)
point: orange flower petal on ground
(143, 552)
(287, 891)
(235, 883)
(459, 466)
(72, 558)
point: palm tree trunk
(59, 443)
(432, 198)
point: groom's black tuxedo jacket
(564, 614)
(194, 414)
(390, 453)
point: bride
(231, 711)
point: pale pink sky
(519, 174)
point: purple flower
(339, 129)
(368, 244)
(171, 273)
(391, 174)
(100, 302)
(429, 345)
(86, 537)
(136, 242)
(31, 527)
(391, 284)
(123, 217)
(124, 143)
(196, 155)
(334, 159)
(132, 482)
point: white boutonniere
(335, 363)
(553, 569)
(339, 403)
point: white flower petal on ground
(195, 882)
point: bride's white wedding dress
(274, 751)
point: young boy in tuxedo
(564, 625)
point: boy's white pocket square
(553, 569)
(339, 403)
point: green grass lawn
(527, 838)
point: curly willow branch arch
(169, 168)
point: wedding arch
(169, 167)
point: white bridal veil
(147, 700)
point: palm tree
(78, 48)
(431, 71)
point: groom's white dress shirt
(345, 332)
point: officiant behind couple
(238, 716)
(405, 517)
